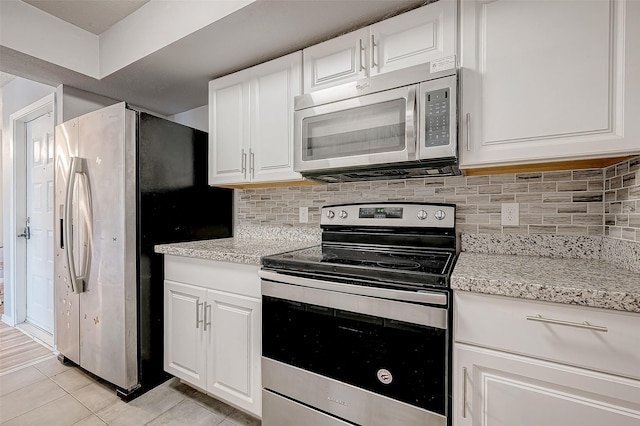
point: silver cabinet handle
(207, 306)
(243, 162)
(362, 57)
(252, 165)
(373, 51)
(464, 392)
(468, 124)
(198, 320)
(583, 324)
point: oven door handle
(422, 296)
(412, 313)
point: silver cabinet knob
(343, 214)
(422, 215)
(440, 214)
(330, 214)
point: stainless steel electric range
(357, 330)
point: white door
(229, 129)
(493, 388)
(547, 80)
(422, 35)
(39, 226)
(234, 349)
(336, 61)
(184, 335)
(274, 84)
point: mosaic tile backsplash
(594, 202)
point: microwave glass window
(438, 117)
(358, 131)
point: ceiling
(95, 16)
(175, 78)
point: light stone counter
(236, 250)
(578, 280)
(250, 244)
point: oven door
(364, 355)
(373, 129)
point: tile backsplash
(594, 202)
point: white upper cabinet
(251, 123)
(229, 128)
(336, 61)
(548, 80)
(421, 35)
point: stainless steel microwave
(399, 125)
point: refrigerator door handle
(76, 168)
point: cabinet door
(336, 61)
(548, 80)
(229, 129)
(422, 35)
(184, 339)
(492, 388)
(273, 87)
(235, 349)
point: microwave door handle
(411, 125)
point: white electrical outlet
(510, 214)
(304, 214)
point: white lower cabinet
(494, 388)
(528, 363)
(212, 321)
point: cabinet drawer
(596, 339)
(235, 278)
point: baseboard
(8, 320)
(36, 334)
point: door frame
(16, 261)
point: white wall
(72, 103)
(198, 118)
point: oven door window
(357, 131)
(403, 361)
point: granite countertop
(236, 250)
(249, 245)
(585, 282)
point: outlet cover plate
(304, 214)
(510, 214)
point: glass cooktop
(411, 266)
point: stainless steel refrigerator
(124, 182)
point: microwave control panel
(437, 113)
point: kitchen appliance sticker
(384, 376)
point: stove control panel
(380, 212)
(390, 214)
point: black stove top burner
(384, 244)
(416, 260)
(415, 267)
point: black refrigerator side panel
(175, 204)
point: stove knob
(422, 215)
(343, 214)
(330, 214)
(440, 214)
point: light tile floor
(49, 393)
